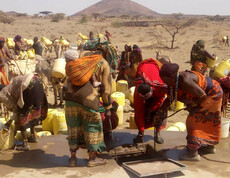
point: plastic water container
(129, 94)
(46, 41)
(64, 42)
(119, 97)
(122, 86)
(173, 128)
(120, 113)
(19, 137)
(58, 70)
(47, 124)
(6, 138)
(223, 69)
(114, 86)
(29, 42)
(31, 54)
(180, 125)
(132, 124)
(23, 55)
(10, 43)
(43, 134)
(179, 105)
(224, 127)
(211, 63)
(59, 123)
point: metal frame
(126, 166)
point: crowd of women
(157, 86)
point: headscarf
(17, 38)
(71, 54)
(2, 39)
(107, 48)
(168, 69)
(200, 43)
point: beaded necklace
(175, 94)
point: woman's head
(2, 42)
(200, 43)
(71, 55)
(168, 73)
(144, 90)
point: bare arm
(188, 83)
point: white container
(224, 127)
(58, 70)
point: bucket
(222, 70)
(119, 97)
(224, 127)
(43, 134)
(132, 124)
(58, 69)
(122, 86)
(179, 105)
(120, 115)
(47, 124)
(211, 63)
(59, 123)
(129, 94)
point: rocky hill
(117, 8)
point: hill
(118, 8)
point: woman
(199, 56)
(18, 44)
(82, 105)
(203, 97)
(149, 96)
(25, 97)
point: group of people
(157, 85)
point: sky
(70, 7)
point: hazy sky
(69, 7)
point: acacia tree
(46, 13)
(173, 27)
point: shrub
(57, 17)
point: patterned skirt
(204, 122)
(35, 107)
(84, 127)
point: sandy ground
(144, 37)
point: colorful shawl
(108, 49)
(80, 70)
(204, 121)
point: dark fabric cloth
(80, 96)
(38, 48)
(35, 107)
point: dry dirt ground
(144, 37)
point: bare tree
(173, 27)
(95, 15)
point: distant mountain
(118, 8)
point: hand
(107, 113)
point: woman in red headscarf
(149, 96)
